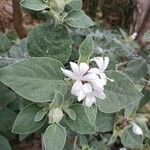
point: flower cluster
(89, 82)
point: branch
(18, 20)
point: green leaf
(4, 43)
(54, 137)
(70, 113)
(131, 109)
(74, 4)
(83, 140)
(91, 114)
(35, 79)
(58, 100)
(104, 122)
(57, 6)
(119, 94)
(137, 69)
(24, 123)
(6, 95)
(81, 124)
(4, 144)
(7, 118)
(40, 115)
(49, 40)
(98, 145)
(130, 139)
(5, 61)
(86, 49)
(78, 19)
(37, 5)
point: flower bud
(55, 115)
(136, 129)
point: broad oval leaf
(4, 144)
(104, 122)
(78, 19)
(130, 139)
(137, 69)
(54, 137)
(36, 5)
(35, 79)
(24, 123)
(49, 40)
(81, 124)
(86, 49)
(119, 94)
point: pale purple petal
(76, 87)
(83, 68)
(81, 95)
(99, 94)
(87, 88)
(75, 68)
(94, 70)
(90, 77)
(99, 84)
(89, 100)
(68, 73)
(106, 62)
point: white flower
(133, 36)
(89, 83)
(90, 94)
(123, 148)
(102, 64)
(136, 129)
(78, 74)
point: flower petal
(87, 88)
(83, 68)
(99, 94)
(75, 68)
(81, 95)
(98, 84)
(76, 87)
(68, 73)
(94, 70)
(106, 62)
(89, 100)
(90, 77)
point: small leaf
(71, 113)
(130, 139)
(119, 94)
(91, 114)
(24, 123)
(37, 5)
(40, 115)
(4, 43)
(83, 140)
(7, 118)
(55, 115)
(58, 100)
(78, 19)
(104, 122)
(136, 69)
(4, 144)
(50, 40)
(74, 4)
(81, 124)
(54, 137)
(86, 49)
(35, 79)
